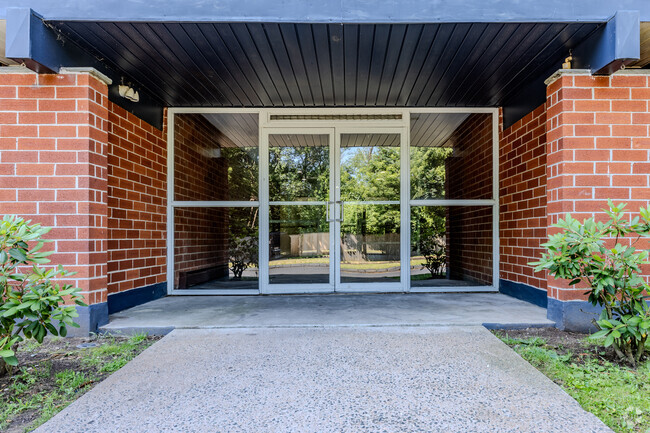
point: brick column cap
(87, 70)
(561, 72)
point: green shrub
(243, 253)
(579, 253)
(31, 305)
(435, 257)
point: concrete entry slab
(389, 379)
(492, 309)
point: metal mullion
(297, 203)
(370, 287)
(372, 202)
(405, 210)
(334, 192)
(171, 259)
(335, 197)
(495, 198)
(443, 202)
(264, 235)
(455, 289)
(190, 204)
(223, 292)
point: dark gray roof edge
(331, 11)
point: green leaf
(605, 324)
(11, 360)
(599, 334)
(18, 254)
(6, 353)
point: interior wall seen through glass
(451, 246)
(216, 248)
(451, 156)
(216, 157)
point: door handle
(341, 214)
(327, 212)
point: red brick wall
(469, 176)
(201, 234)
(201, 239)
(598, 148)
(53, 166)
(522, 196)
(469, 169)
(197, 175)
(137, 199)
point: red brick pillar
(598, 148)
(53, 144)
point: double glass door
(331, 210)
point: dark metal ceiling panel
(324, 65)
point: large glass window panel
(451, 246)
(451, 156)
(370, 167)
(299, 245)
(216, 157)
(299, 167)
(370, 243)
(216, 248)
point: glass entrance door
(332, 211)
(299, 165)
(369, 233)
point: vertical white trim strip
(331, 198)
(264, 230)
(495, 196)
(170, 199)
(335, 247)
(405, 208)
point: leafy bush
(243, 253)
(31, 305)
(579, 253)
(435, 258)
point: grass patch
(54, 374)
(616, 394)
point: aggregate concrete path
(413, 309)
(363, 379)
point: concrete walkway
(337, 379)
(177, 312)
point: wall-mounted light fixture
(567, 61)
(129, 93)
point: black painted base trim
(89, 320)
(573, 315)
(524, 292)
(131, 298)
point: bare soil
(564, 342)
